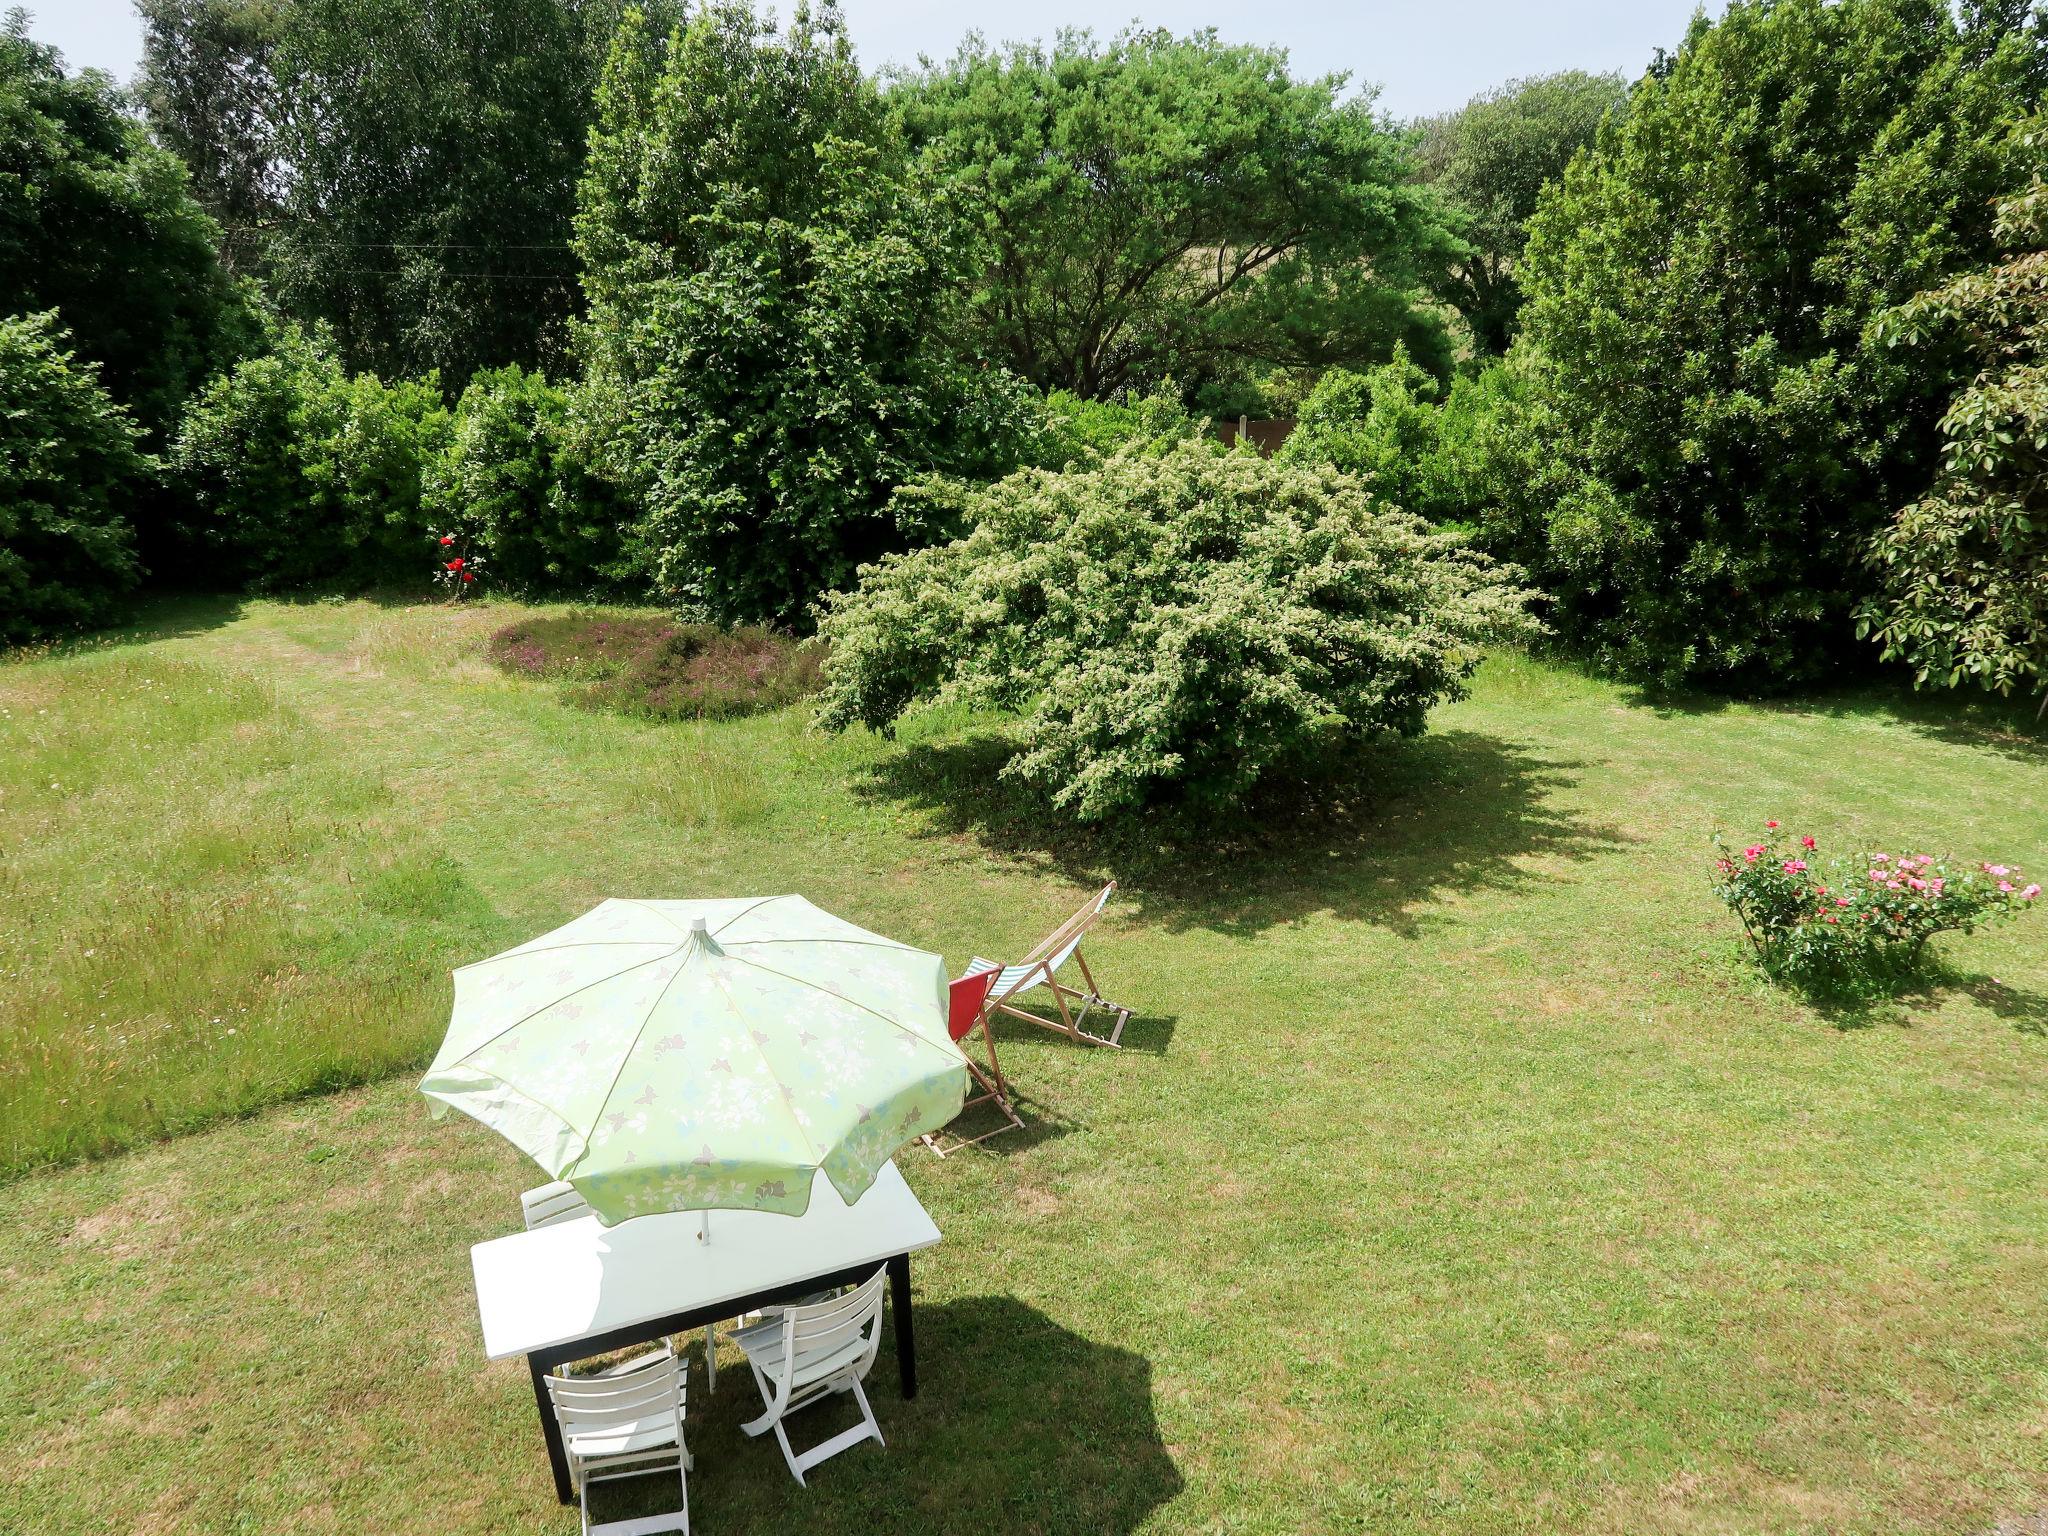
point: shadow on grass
(1450, 811)
(1149, 1034)
(166, 616)
(2008, 727)
(1925, 986)
(2015, 728)
(1042, 1123)
(1019, 1424)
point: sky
(1427, 57)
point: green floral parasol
(703, 1055)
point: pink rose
(2030, 892)
(2005, 886)
(1917, 883)
(1841, 901)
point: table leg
(899, 1308)
(551, 1431)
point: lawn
(1462, 1176)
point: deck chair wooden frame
(968, 1004)
(1040, 968)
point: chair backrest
(584, 1404)
(827, 1326)
(1066, 938)
(966, 996)
(551, 1203)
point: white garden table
(576, 1289)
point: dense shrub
(68, 470)
(1382, 426)
(1859, 921)
(1079, 431)
(766, 280)
(1439, 455)
(652, 666)
(1964, 570)
(1725, 433)
(302, 475)
(518, 483)
(1173, 626)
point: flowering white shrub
(1173, 625)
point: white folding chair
(814, 1351)
(627, 1422)
(551, 1203)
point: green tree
(1724, 434)
(1492, 158)
(98, 223)
(1964, 569)
(207, 89)
(404, 170)
(1174, 208)
(1380, 425)
(68, 472)
(301, 474)
(768, 282)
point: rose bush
(1856, 917)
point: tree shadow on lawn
(162, 616)
(1019, 1424)
(2009, 727)
(1450, 811)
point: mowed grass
(1462, 1176)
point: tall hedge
(1722, 432)
(98, 223)
(69, 470)
(302, 475)
(519, 483)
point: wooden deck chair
(968, 1010)
(1040, 968)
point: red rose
(469, 575)
(447, 538)
(455, 564)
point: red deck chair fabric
(967, 1010)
